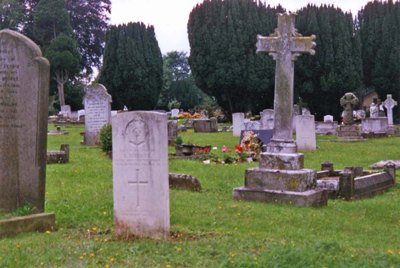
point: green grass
(209, 229)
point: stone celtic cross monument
(285, 45)
(281, 176)
(389, 105)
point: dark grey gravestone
(24, 90)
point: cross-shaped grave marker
(389, 105)
(284, 45)
(137, 182)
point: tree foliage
(88, 19)
(50, 19)
(11, 14)
(222, 37)
(321, 80)
(133, 67)
(379, 29)
(178, 84)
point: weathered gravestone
(172, 131)
(140, 174)
(389, 104)
(65, 111)
(238, 123)
(97, 112)
(281, 176)
(205, 125)
(24, 89)
(267, 119)
(305, 133)
(174, 113)
(348, 131)
(328, 118)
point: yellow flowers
(390, 252)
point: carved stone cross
(389, 105)
(137, 182)
(284, 45)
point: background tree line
(351, 55)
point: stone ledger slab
(24, 91)
(41, 222)
(140, 174)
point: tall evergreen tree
(11, 14)
(222, 37)
(321, 80)
(133, 67)
(379, 30)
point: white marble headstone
(174, 113)
(65, 111)
(328, 118)
(140, 174)
(238, 123)
(305, 133)
(97, 112)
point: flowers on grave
(187, 115)
(250, 144)
(225, 149)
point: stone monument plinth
(281, 176)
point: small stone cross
(284, 45)
(389, 105)
(138, 183)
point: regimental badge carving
(136, 131)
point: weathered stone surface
(41, 222)
(348, 133)
(310, 198)
(172, 131)
(24, 85)
(348, 102)
(174, 113)
(282, 161)
(65, 111)
(284, 180)
(58, 157)
(328, 118)
(305, 133)
(140, 174)
(97, 112)
(267, 119)
(238, 123)
(205, 125)
(389, 104)
(326, 128)
(184, 181)
(377, 125)
(252, 125)
(383, 163)
(284, 45)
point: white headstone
(267, 119)
(81, 113)
(252, 125)
(174, 113)
(24, 92)
(238, 123)
(140, 174)
(97, 112)
(65, 111)
(305, 133)
(328, 118)
(389, 104)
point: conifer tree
(133, 67)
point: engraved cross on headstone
(137, 182)
(284, 45)
(389, 105)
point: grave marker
(140, 174)
(285, 45)
(24, 86)
(97, 112)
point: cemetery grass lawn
(209, 229)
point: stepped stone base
(349, 133)
(310, 198)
